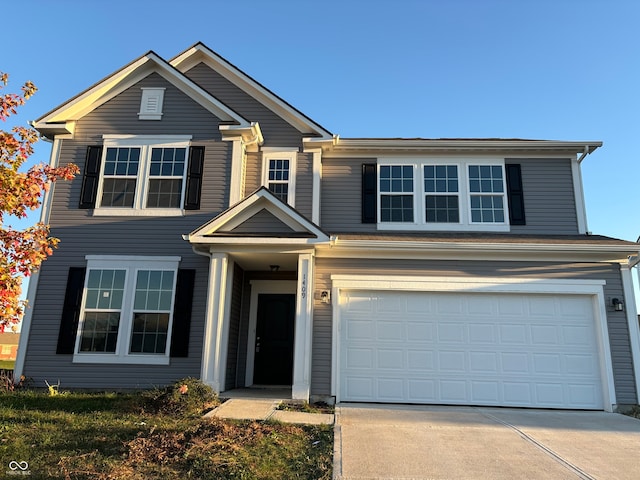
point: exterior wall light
(618, 306)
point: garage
(469, 348)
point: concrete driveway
(438, 443)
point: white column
(304, 329)
(235, 182)
(317, 177)
(214, 348)
(632, 321)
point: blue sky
(542, 69)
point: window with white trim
(127, 310)
(279, 174)
(142, 174)
(460, 194)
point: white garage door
(469, 348)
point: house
(216, 231)
(8, 346)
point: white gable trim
(244, 210)
(128, 76)
(200, 53)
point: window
(396, 193)
(142, 175)
(442, 195)
(440, 182)
(279, 174)
(127, 310)
(484, 182)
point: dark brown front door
(274, 339)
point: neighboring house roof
(200, 53)
(61, 120)
(9, 338)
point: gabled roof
(62, 119)
(200, 53)
(289, 227)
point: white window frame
(131, 264)
(145, 143)
(464, 195)
(281, 154)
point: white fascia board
(471, 144)
(125, 78)
(277, 241)
(248, 207)
(200, 53)
(472, 251)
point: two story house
(215, 231)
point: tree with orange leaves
(21, 251)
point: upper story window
(279, 174)
(465, 194)
(126, 313)
(142, 175)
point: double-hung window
(442, 194)
(279, 170)
(143, 175)
(396, 193)
(127, 310)
(486, 193)
(441, 191)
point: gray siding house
(217, 232)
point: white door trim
(259, 287)
(594, 288)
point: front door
(273, 364)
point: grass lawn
(120, 436)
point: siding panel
(548, 196)
(276, 131)
(234, 327)
(341, 197)
(81, 234)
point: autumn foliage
(21, 251)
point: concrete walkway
(266, 409)
(438, 443)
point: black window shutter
(91, 177)
(71, 311)
(369, 193)
(182, 313)
(194, 178)
(515, 194)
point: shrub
(188, 396)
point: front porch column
(304, 329)
(214, 349)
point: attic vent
(151, 104)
